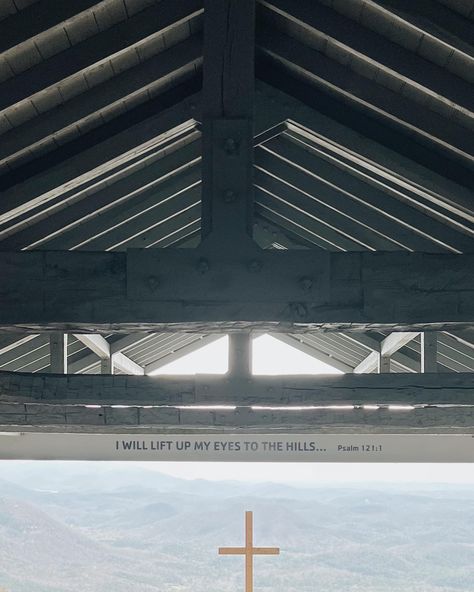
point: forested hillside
(101, 528)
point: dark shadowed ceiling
(364, 115)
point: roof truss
(310, 176)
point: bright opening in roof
(209, 359)
(270, 356)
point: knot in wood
(299, 310)
(255, 266)
(202, 266)
(306, 283)
(153, 282)
(231, 146)
(229, 196)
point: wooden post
(240, 354)
(107, 366)
(228, 105)
(429, 351)
(384, 364)
(58, 353)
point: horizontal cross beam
(273, 391)
(59, 418)
(207, 291)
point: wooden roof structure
(171, 171)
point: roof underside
(364, 118)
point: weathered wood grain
(211, 290)
(228, 111)
(276, 391)
(38, 415)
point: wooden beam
(173, 419)
(126, 365)
(370, 49)
(228, 104)
(432, 186)
(206, 291)
(441, 28)
(89, 361)
(407, 364)
(30, 356)
(396, 341)
(429, 351)
(92, 166)
(109, 361)
(293, 341)
(37, 18)
(97, 51)
(357, 192)
(12, 341)
(240, 354)
(385, 365)
(380, 360)
(466, 9)
(107, 366)
(369, 364)
(128, 340)
(286, 189)
(154, 73)
(58, 353)
(272, 391)
(96, 343)
(68, 227)
(364, 403)
(396, 110)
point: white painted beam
(101, 347)
(9, 342)
(126, 365)
(369, 364)
(293, 341)
(380, 360)
(396, 341)
(127, 341)
(96, 343)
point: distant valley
(103, 528)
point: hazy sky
(270, 356)
(320, 472)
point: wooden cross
(249, 551)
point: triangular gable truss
(320, 182)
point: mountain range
(105, 527)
